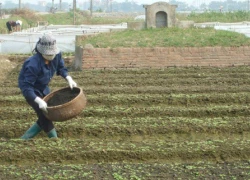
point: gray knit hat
(47, 45)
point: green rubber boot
(31, 132)
(52, 133)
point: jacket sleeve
(29, 79)
(61, 69)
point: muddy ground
(169, 123)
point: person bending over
(33, 80)
(13, 25)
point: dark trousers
(44, 123)
(9, 26)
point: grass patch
(167, 37)
(227, 17)
(31, 18)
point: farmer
(33, 80)
(13, 25)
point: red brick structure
(159, 57)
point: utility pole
(248, 3)
(74, 11)
(52, 9)
(20, 4)
(60, 5)
(111, 4)
(1, 10)
(91, 7)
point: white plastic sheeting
(24, 42)
(240, 27)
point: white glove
(71, 82)
(41, 103)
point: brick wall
(164, 57)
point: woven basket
(67, 110)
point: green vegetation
(226, 17)
(169, 123)
(177, 37)
(30, 19)
(167, 37)
(81, 18)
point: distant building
(42, 3)
(160, 14)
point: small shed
(160, 14)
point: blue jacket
(35, 75)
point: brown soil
(63, 96)
(168, 124)
(7, 65)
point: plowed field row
(151, 99)
(89, 151)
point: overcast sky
(137, 1)
(71, 1)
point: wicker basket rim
(65, 104)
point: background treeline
(130, 6)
